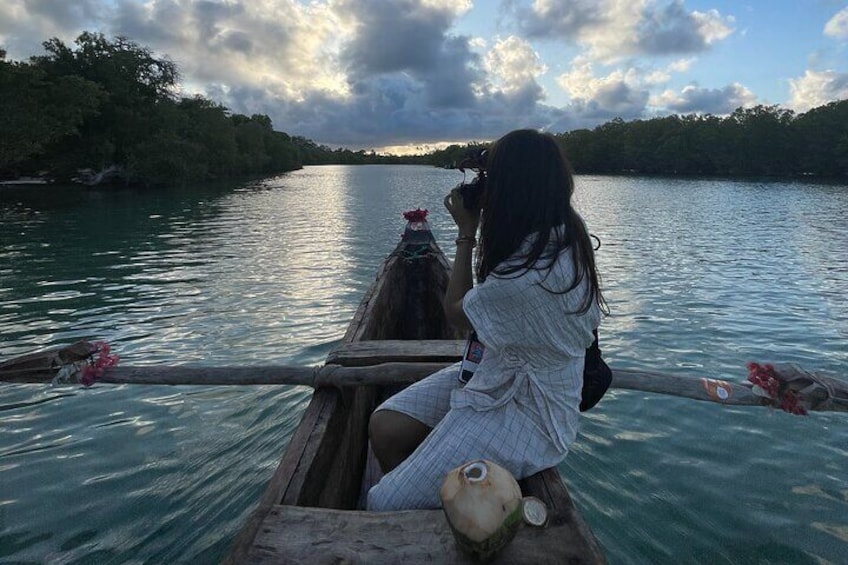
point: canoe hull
(311, 509)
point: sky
(410, 75)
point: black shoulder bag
(597, 376)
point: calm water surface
(701, 276)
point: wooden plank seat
(294, 534)
(374, 352)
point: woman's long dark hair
(529, 186)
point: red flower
(417, 215)
(790, 403)
(770, 381)
(764, 377)
(94, 369)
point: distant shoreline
(24, 181)
(810, 177)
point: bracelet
(467, 239)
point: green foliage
(822, 137)
(763, 140)
(134, 83)
(104, 103)
(166, 159)
(128, 72)
(206, 124)
(38, 109)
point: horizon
(405, 75)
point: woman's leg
(401, 423)
(394, 436)
(505, 435)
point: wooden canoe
(311, 509)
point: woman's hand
(466, 220)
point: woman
(534, 309)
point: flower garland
(767, 384)
(93, 370)
(88, 370)
(417, 215)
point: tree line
(312, 153)
(758, 141)
(763, 140)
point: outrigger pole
(364, 364)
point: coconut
(482, 502)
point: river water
(702, 276)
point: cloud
(673, 30)
(513, 66)
(657, 77)
(25, 24)
(65, 14)
(621, 93)
(562, 20)
(399, 74)
(617, 99)
(626, 92)
(404, 35)
(412, 36)
(612, 30)
(817, 88)
(393, 110)
(681, 65)
(694, 99)
(837, 26)
(286, 47)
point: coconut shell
(482, 503)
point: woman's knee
(379, 427)
(396, 428)
(377, 499)
(394, 436)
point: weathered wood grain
(328, 375)
(291, 534)
(373, 352)
(398, 372)
(704, 388)
(562, 513)
(43, 364)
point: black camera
(472, 191)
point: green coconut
(482, 503)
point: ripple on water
(272, 272)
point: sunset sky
(414, 73)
